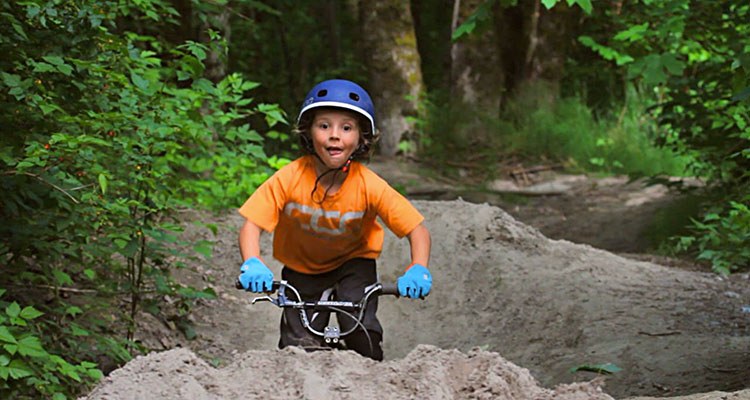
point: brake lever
(266, 298)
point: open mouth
(334, 151)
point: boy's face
(335, 135)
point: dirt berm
(510, 314)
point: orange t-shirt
(314, 238)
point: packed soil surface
(510, 314)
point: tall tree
(512, 43)
(390, 51)
(477, 76)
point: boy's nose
(335, 133)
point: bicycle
(331, 334)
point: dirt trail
(427, 372)
(510, 314)
(545, 305)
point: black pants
(348, 282)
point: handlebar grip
(274, 286)
(389, 288)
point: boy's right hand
(256, 277)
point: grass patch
(537, 127)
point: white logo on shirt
(316, 213)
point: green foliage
(536, 128)
(694, 56)
(722, 236)
(24, 360)
(290, 46)
(106, 135)
(483, 15)
(566, 131)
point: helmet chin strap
(343, 168)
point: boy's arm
(250, 240)
(419, 240)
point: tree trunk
(535, 43)
(393, 67)
(432, 24)
(215, 62)
(476, 63)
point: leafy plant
(722, 236)
(24, 359)
(694, 56)
(106, 136)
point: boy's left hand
(415, 282)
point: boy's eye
(323, 125)
(347, 128)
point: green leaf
(465, 29)
(711, 217)
(654, 73)
(550, 3)
(633, 33)
(18, 369)
(11, 348)
(31, 346)
(70, 371)
(4, 360)
(13, 310)
(6, 336)
(65, 69)
(95, 373)
(585, 5)
(672, 64)
(54, 60)
(11, 80)
(198, 50)
(103, 183)
(30, 312)
(61, 277)
(604, 369)
(78, 331)
(59, 396)
(248, 85)
(138, 81)
(89, 273)
(20, 30)
(44, 67)
(73, 310)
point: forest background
(118, 117)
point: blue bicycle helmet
(340, 93)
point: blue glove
(416, 282)
(256, 277)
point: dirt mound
(546, 305)
(426, 372)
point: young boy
(323, 207)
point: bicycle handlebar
(385, 288)
(330, 334)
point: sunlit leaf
(605, 369)
(13, 310)
(30, 312)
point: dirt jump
(510, 315)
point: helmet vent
(354, 96)
(322, 93)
